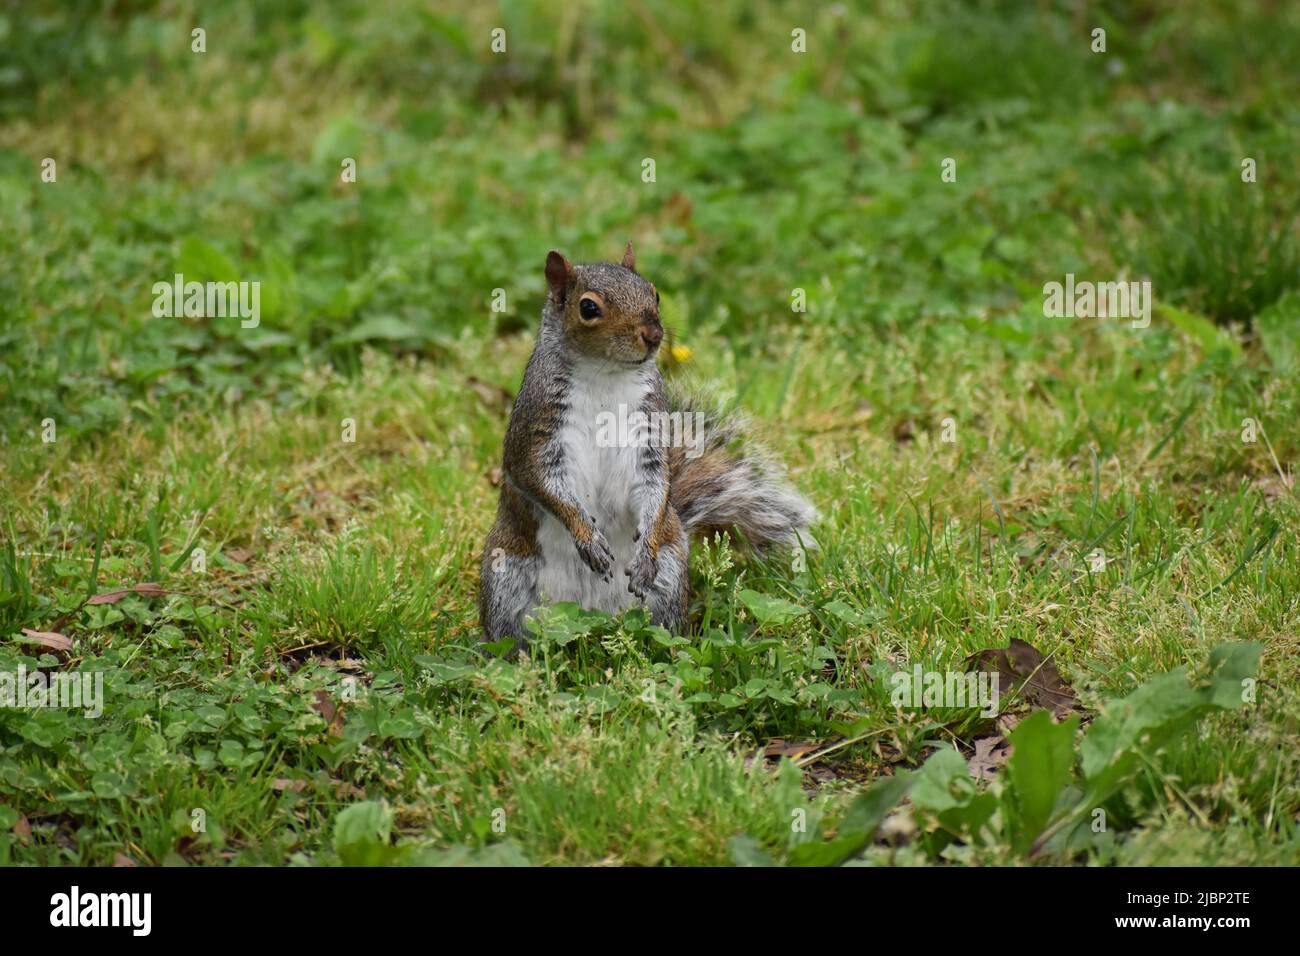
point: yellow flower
(682, 353)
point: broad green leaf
(970, 818)
(943, 782)
(1156, 711)
(500, 648)
(1039, 769)
(746, 851)
(506, 853)
(201, 261)
(342, 137)
(362, 832)
(1232, 666)
(1158, 703)
(851, 615)
(858, 826)
(1279, 333)
(829, 852)
(107, 785)
(770, 610)
(279, 291)
(381, 328)
(1208, 335)
(867, 811)
(661, 637)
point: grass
(307, 691)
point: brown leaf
(238, 555)
(284, 783)
(324, 705)
(50, 639)
(1023, 671)
(147, 589)
(818, 776)
(678, 208)
(347, 789)
(777, 748)
(333, 713)
(23, 830)
(990, 754)
(493, 396)
(121, 859)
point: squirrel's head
(606, 310)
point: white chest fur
(600, 466)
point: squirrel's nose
(652, 335)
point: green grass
(308, 689)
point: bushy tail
(722, 480)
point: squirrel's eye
(656, 296)
(588, 309)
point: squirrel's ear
(629, 257)
(559, 274)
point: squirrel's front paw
(641, 573)
(595, 553)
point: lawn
(263, 539)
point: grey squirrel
(607, 523)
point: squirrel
(605, 521)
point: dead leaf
(23, 830)
(1273, 487)
(777, 748)
(121, 859)
(904, 431)
(990, 754)
(147, 589)
(284, 783)
(333, 713)
(324, 705)
(493, 396)
(347, 789)
(1024, 672)
(50, 639)
(679, 209)
(817, 776)
(238, 555)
